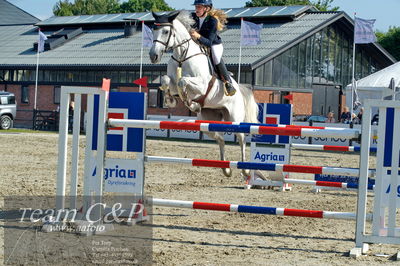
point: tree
(63, 8)
(144, 5)
(390, 41)
(86, 7)
(322, 5)
(325, 5)
(254, 3)
(91, 7)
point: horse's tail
(250, 105)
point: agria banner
(121, 175)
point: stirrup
(229, 89)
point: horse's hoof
(195, 107)
(246, 172)
(227, 172)
(169, 103)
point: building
(304, 52)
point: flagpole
(240, 63)
(37, 75)
(353, 80)
(141, 56)
(240, 52)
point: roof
(107, 47)
(249, 12)
(381, 78)
(275, 37)
(12, 15)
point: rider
(207, 24)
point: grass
(24, 130)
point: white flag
(250, 33)
(363, 30)
(42, 38)
(147, 36)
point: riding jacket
(208, 31)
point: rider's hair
(220, 16)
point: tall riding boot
(223, 72)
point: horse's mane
(186, 19)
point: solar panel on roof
(234, 11)
(231, 13)
(270, 11)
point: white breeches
(216, 52)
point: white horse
(188, 76)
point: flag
(141, 82)
(363, 30)
(250, 33)
(288, 97)
(42, 39)
(147, 36)
(105, 86)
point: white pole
(75, 149)
(240, 52)
(353, 81)
(240, 62)
(141, 56)
(37, 75)
(62, 151)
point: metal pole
(240, 53)
(36, 78)
(141, 56)
(353, 81)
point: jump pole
(319, 184)
(257, 124)
(271, 167)
(251, 129)
(259, 166)
(255, 209)
(316, 147)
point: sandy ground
(28, 165)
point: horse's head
(163, 35)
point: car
(8, 109)
(316, 119)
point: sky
(385, 11)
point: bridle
(167, 48)
(169, 36)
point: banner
(147, 36)
(42, 39)
(363, 30)
(250, 33)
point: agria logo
(117, 172)
(269, 157)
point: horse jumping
(190, 79)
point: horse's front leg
(165, 81)
(191, 88)
(166, 86)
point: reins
(184, 57)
